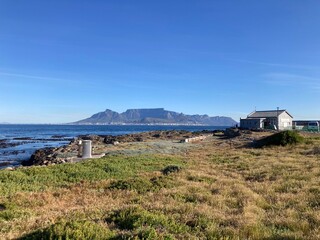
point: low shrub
(71, 230)
(201, 179)
(139, 185)
(135, 218)
(9, 211)
(142, 185)
(145, 233)
(163, 182)
(280, 139)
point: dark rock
(2, 164)
(171, 169)
(2, 207)
(53, 139)
(232, 132)
(110, 139)
(58, 136)
(23, 138)
(39, 157)
(5, 144)
(92, 138)
(14, 152)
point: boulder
(232, 132)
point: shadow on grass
(71, 230)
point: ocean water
(18, 142)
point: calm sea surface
(18, 142)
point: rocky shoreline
(14, 150)
(70, 152)
(110, 144)
(123, 144)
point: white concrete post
(86, 149)
(79, 148)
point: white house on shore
(272, 119)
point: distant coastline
(154, 117)
(112, 124)
(140, 124)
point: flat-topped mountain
(154, 116)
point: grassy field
(222, 189)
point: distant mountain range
(154, 116)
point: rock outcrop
(69, 153)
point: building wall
(253, 123)
(285, 121)
(271, 122)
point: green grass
(44, 178)
(220, 193)
(12, 211)
(134, 218)
(71, 230)
(143, 185)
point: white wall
(285, 121)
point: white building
(273, 119)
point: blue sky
(64, 60)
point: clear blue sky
(64, 60)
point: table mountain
(154, 116)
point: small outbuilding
(271, 119)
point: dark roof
(267, 114)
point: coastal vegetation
(283, 138)
(220, 188)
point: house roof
(267, 114)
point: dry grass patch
(224, 191)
